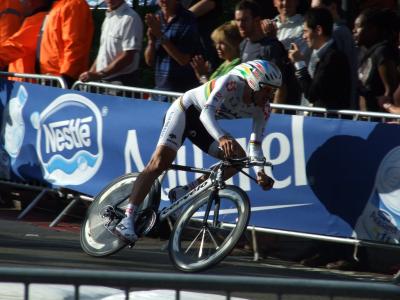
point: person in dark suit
(326, 81)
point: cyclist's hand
(230, 147)
(265, 181)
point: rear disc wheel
(104, 214)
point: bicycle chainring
(110, 218)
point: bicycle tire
(235, 206)
(95, 238)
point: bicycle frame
(188, 197)
(215, 180)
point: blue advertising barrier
(333, 177)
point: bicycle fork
(204, 228)
(213, 197)
(218, 184)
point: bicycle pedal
(111, 224)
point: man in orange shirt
(19, 50)
(10, 18)
(67, 39)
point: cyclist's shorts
(180, 123)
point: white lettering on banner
(300, 176)
(284, 153)
(69, 139)
(67, 134)
(132, 151)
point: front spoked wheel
(197, 242)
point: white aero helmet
(259, 73)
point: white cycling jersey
(221, 98)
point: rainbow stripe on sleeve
(209, 88)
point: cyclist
(244, 92)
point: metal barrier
(42, 191)
(226, 285)
(124, 91)
(355, 115)
(141, 93)
(47, 80)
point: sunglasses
(267, 87)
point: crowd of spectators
(350, 63)
(55, 38)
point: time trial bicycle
(213, 216)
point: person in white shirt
(120, 45)
(287, 26)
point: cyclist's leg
(168, 144)
(170, 140)
(160, 161)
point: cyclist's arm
(207, 117)
(213, 102)
(260, 119)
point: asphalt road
(31, 243)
